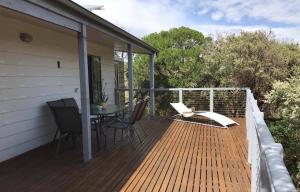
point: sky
(211, 17)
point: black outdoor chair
(66, 102)
(127, 124)
(52, 104)
(68, 120)
(141, 113)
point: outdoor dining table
(99, 115)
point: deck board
(175, 156)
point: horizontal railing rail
(268, 171)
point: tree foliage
(179, 62)
(285, 99)
(250, 59)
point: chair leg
(115, 133)
(55, 135)
(130, 136)
(105, 141)
(73, 140)
(98, 138)
(58, 144)
(138, 136)
(142, 128)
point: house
(50, 50)
(54, 49)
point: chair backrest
(142, 110)
(70, 102)
(135, 112)
(66, 114)
(52, 104)
(68, 119)
(57, 103)
(180, 108)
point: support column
(130, 77)
(152, 96)
(84, 91)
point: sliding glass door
(95, 79)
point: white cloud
(202, 11)
(284, 34)
(144, 17)
(286, 11)
(217, 15)
(141, 17)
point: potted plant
(103, 99)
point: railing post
(211, 100)
(180, 95)
(151, 90)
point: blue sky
(211, 17)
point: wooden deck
(175, 156)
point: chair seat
(118, 125)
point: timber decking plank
(186, 177)
(173, 163)
(134, 182)
(179, 161)
(175, 156)
(179, 176)
(156, 169)
(160, 179)
(192, 171)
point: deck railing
(268, 171)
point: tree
(285, 99)
(250, 59)
(179, 62)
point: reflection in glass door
(95, 79)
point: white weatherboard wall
(29, 77)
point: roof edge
(78, 8)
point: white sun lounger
(186, 112)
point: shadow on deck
(175, 156)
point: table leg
(101, 127)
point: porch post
(130, 76)
(84, 93)
(152, 96)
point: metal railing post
(211, 100)
(180, 95)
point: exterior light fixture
(26, 37)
